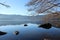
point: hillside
(18, 19)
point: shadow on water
(31, 32)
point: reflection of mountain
(54, 19)
(18, 19)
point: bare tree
(40, 6)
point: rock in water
(16, 32)
(2, 33)
(25, 25)
(47, 25)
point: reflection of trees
(53, 18)
(4, 5)
(40, 6)
(46, 6)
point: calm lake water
(30, 32)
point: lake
(30, 32)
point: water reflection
(31, 32)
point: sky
(17, 7)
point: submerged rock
(47, 25)
(2, 33)
(16, 32)
(25, 25)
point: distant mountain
(18, 19)
(54, 19)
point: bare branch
(5, 5)
(41, 6)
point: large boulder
(46, 25)
(25, 25)
(16, 32)
(2, 33)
